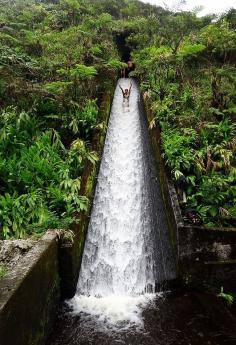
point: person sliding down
(126, 95)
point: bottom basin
(186, 318)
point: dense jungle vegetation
(58, 57)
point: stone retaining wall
(29, 295)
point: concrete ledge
(29, 295)
(204, 244)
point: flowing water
(127, 253)
(127, 257)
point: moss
(90, 183)
(3, 271)
(40, 336)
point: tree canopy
(57, 57)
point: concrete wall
(71, 253)
(206, 257)
(29, 295)
(155, 139)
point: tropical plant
(228, 297)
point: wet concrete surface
(181, 318)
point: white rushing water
(120, 261)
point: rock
(11, 251)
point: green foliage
(56, 57)
(213, 198)
(53, 57)
(58, 87)
(85, 121)
(219, 37)
(178, 149)
(189, 50)
(186, 67)
(229, 298)
(116, 64)
(83, 72)
(40, 178)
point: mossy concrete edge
(71, 253)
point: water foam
(112, 312)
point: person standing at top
(126, 92)
(126, 95)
